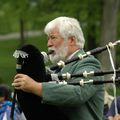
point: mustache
(52, 49)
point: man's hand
(27, 84)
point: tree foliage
(36, 13)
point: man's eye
(53, 37)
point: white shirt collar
(72, 55)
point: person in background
(6, 104)
(107, 103)
(111, 114)
(76, 102)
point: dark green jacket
(77, 102)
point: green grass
(111, 90)
(8, 62)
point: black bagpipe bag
(33, 65)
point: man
(65, 37)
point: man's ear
(71, 40)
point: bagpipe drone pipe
(64, 78)
(30, 61)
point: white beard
(60, 53)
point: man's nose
(49, 43)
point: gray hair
(68, 27)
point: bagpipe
(30, 61)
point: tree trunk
(109, 28)
(91, 32)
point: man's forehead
(54, 32)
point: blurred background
(23, 21)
